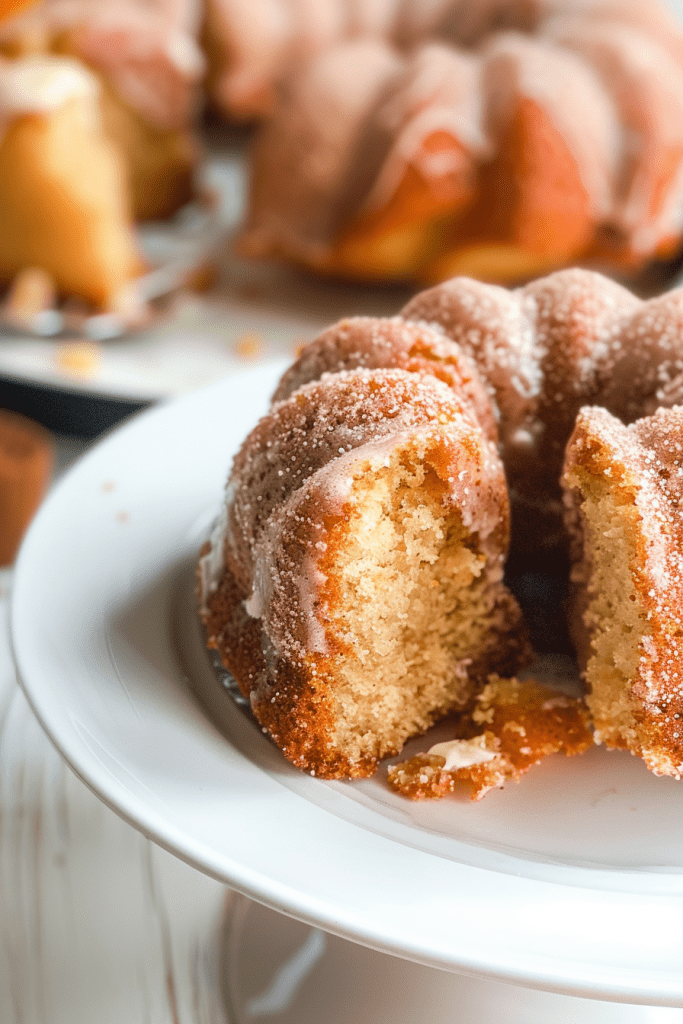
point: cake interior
(613, 615)
(413, 603)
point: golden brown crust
(298, 719)
(275, 613)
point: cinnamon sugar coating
(374, 342)
(320, 428)
(541, 352)
(564, 341)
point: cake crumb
(78, 358)
(248, 346)
(526, 721)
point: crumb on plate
(522, 723)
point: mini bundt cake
(340, 585)
(96, 104)
(498, 139)
(624, 492)
(354, 588)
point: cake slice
(353, 585)
(624, 487)
(148, 67)
(64, 207)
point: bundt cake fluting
(496, 139)
(353, 584)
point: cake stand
(554, 900)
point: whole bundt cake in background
(353, 583)
(498, 140)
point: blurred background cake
(97, 104)
(494, 139)
(393, 141)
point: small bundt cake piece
(624, 488)
(353, 585)
(148, 66)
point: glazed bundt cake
(624, 492)
(541, 352)
(353, 584)
(497, 139)
(148, 66)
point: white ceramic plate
(572, 881)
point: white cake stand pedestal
(98, 925)
(283, 972)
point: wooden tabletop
(97, 924)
